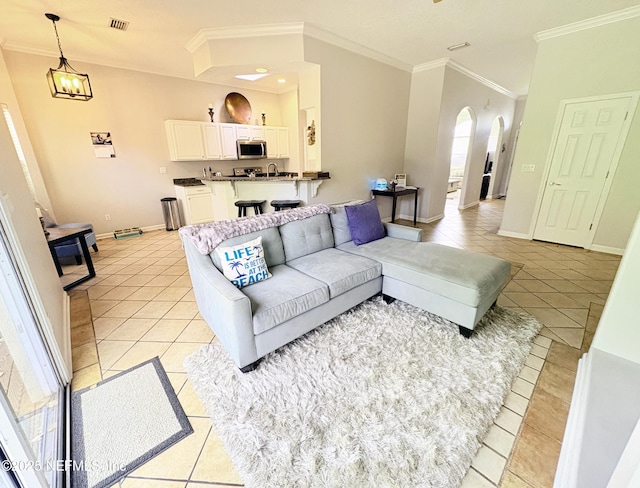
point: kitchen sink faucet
(275, 167)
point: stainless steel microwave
(251, 149)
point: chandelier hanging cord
(63, 61)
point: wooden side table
(399, 193)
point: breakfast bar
(224, 191)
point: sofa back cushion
(271, 243)
(339, 222)
(302, 237)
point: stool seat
(283, 204)
(244, 204)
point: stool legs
(244, 204)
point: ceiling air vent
(119, 24)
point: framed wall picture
(401, 178)
(102, 144)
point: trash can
(171, 213)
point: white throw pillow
(244, 264)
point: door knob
(553, 183)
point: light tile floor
(141, 305)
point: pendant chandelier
(64, 81)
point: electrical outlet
(107, 216)
(528, 168)
(163, 170)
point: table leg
(88, 261)
(56, 261)
(415, 208)
(393, 209)
(87, 256)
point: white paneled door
(587, 144)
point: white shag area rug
(381, 396)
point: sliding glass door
(31, 392)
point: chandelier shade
(64, 81)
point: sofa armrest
(403, 232)
(223, 306)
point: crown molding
(438, 63)
(205, 35)
(10, 46)
(329, 38)
(481, 79)
(264, 30)
(627, 13)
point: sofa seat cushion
(286, 294)
(340, 270)
(460, 275)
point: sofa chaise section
(453, 283)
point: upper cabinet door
(212, 143)
(243, 132)
(228, 140)
(271, 137)
(257, 133)
(185, 140)
(283, 142)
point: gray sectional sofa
(318, 273)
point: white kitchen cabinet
(271, 137)
(228, 137)
(186, 142)
(212, 141)
(196, 204)
(193, 141)
(283, 142)
(277, 142)
(250, 132)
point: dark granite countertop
(187, 182)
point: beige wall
(422, 136)
(364, 121)
(594, 62)
(133, 107)
(364, 113)
(437, 97)
(40, 275)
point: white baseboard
(469, 205)
(109, 235)
(419, 219)
(567, 470)
(515, 235)
(607, 249)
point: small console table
(58, 235)
(399, 193)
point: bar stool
(244, 204)
(284, 204)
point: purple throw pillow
(364, 222)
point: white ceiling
(412, 32)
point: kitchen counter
(258, 178)
(226, 190)
(187, 182)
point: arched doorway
(493, 163)
(460, 155)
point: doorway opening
(460, 154)
(492, 175)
